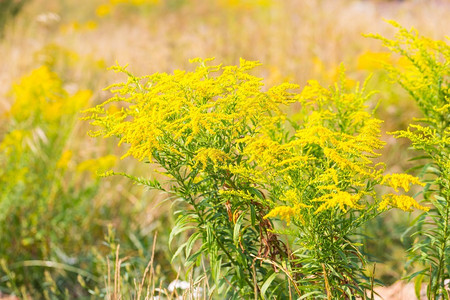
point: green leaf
(418, 284)
(190, 242)
(446, 295)
(420, 157)
(253, 215)
(192, 259)
(267, 283)
(256, 192)
(181, 224)
(179, 250)
(216, 267)
(305, 296)
(416, 274)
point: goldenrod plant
(236, 163)
(37, 211)
(322, 181)
(424, 72)
(194, 125)
(51, 226)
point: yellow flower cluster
(290, 196)
(42, 94)
(423, 137)
(423, 68)
(333, 148)
(219, 116)
(14, 141)
(175, 110)
(247, 172)
(263, 150)
(286, 213)
(204, 155)
(400, 180)
(237, 193)
(344, 200)
(373, 60)
(403, 202)
(64, 159)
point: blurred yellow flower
(13, 141)
(41, 95)
(52, 112)
(404, 63)
(64, 159)
(36, 93)
(90, 25)
(97, 165)
(372, 61)
(77, 101)
(245, 4)
(103, 10)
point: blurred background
(60, 224)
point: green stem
(191, 201)
(441, 262)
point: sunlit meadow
(245, 149)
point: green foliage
(39, 209)
(51, 222)
(425, 75)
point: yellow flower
(290, 196)
(205, 155)
(52, 112)
(403, 202)
(36, 92)
(77, 102)
(249, 173)
(400, 180)
(341, 199)
(64, 159)
(329, 174)
(238, 193)
(372, 61)
(103, 10)
(286, 213)
(91, 25)
(14, 141)
(98, 165)
(343, 162)
(187, 106)
(315, 135)
(245, 4)
(41, 96)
